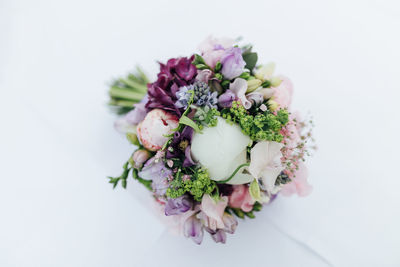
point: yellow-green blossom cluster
(261, 126)
(198, 185)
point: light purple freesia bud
(225, 100)
(219, 236)
(230, 223)
(139, 157)
(175, 206)
(193, 228)
(232, 63)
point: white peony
(221, 149)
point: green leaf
(238, 212)
(187, 121)
(250, 214)
(251, 60)
(198, 60)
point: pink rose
(299, 183)
(283, 93)
(241, 198)
(152, 130)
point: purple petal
(225, 100)
(188, 158)
(193, 229)
(219, 236)
(175, 206)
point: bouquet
(215, 138)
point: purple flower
(202, 95)
(193, 228)
(176, 73)
(136, 115)
(180, 146)
(155, 170)
(219, 236)
(175, 206)
(225, 100)
(232, 63)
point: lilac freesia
(127, 123)
(213, 49)
(193, 228)
(155, 170)
(232, 63)
(219, 236)
(136, 115)
(225, 100)
(175, 206)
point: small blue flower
(202, 96)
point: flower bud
(267, 93)
(218, 66)
(275, 81)
(273, 105)
(140, 157)
(253, 85)
(265, 72)
(132, 138)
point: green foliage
(206, 117)
(123, 177)
(199, 184)
(260, 126)
(250, 58)
(146, 183)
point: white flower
(266, 163)
(221, 149)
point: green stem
(135, 85)
(118, 92)
(122, 103)
(234, 173)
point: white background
(58, 142)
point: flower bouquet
(215, 138)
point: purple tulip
(175, 206)
(193, 229)
(232, 63)
(225, 100)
